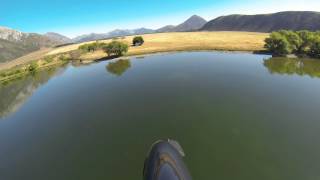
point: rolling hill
(291, 20)
(58, 38)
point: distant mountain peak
(195, 22)
(196, 17)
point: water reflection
(301, 67)
(14, 94)
(118, 67)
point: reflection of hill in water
(15, 94)
(301, 67)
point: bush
(278, 44)
(3, 74)
(293, 38)
(48, 59)
(33, 67)
(306, 37)
(91, 47)
(64, 57)
(315, 48)
(137, 41)
(116, 48)
(284, 42)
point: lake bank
(154, 43)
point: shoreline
(60, 62)
(219, 41)
(56, 63)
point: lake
(236, 115)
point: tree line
(114, 48)
(301, 43)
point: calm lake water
(237, 116)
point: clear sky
(76, 17)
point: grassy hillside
(184, 41)
(10, 50)
(164, 42)
(291, 20)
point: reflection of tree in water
(119, 67)
(14, 94)
(310, 67)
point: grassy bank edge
(22, 70)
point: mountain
(14, 44)
(127, 32)
(291, 20)
(168, 28)
(112, 34)
(89, 37)
(58, 38)
(192, 24)
(10, 34)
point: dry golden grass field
(166, 42)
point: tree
(293, 38)
(278, 44)
(306, 37)
(33, 66)
(137, 41)
(115, 48)
(91, 47)
(315, 48)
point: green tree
(116, 48)
(138, 41)
(306, 37)
(315, 48)
(278, 44)
(293, 38)
(91, 47)
(33, 67)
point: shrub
(64, 58)
(3, 74)
(293, 38)
(116, 48)
(91, 47)
(278, 44)
(137, 41)
(48, 59)
(301, 42)
(315, 48)
(306, 37)
(33, 67)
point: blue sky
(76, 17)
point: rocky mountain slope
(14, 44)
